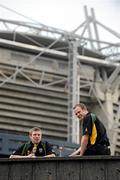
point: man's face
(35, 137)
(80, 113)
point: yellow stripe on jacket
(93, 135)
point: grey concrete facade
(41, 78)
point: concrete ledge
(69, 168)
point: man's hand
(76, 153)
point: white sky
(63, 14)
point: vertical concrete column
(109, 112)
(73, 92)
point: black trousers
(98, 149)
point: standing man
(34, 148)
(94, 140)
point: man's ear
(30, 135)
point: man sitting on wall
(94, 140)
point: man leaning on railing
(35, 147)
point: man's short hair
(81, 105)
(34, 129)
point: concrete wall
(84, 168)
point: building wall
(37, 94)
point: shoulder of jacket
(93, 116)
(44, 142)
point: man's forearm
(84, 143)
(20, 156)
(50, 155)
(83, 148)
(29, 156)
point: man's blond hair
(81, 105)
(34, 129)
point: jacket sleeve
(49, 149)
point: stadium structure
(45, 71)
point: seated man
(35, 147)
